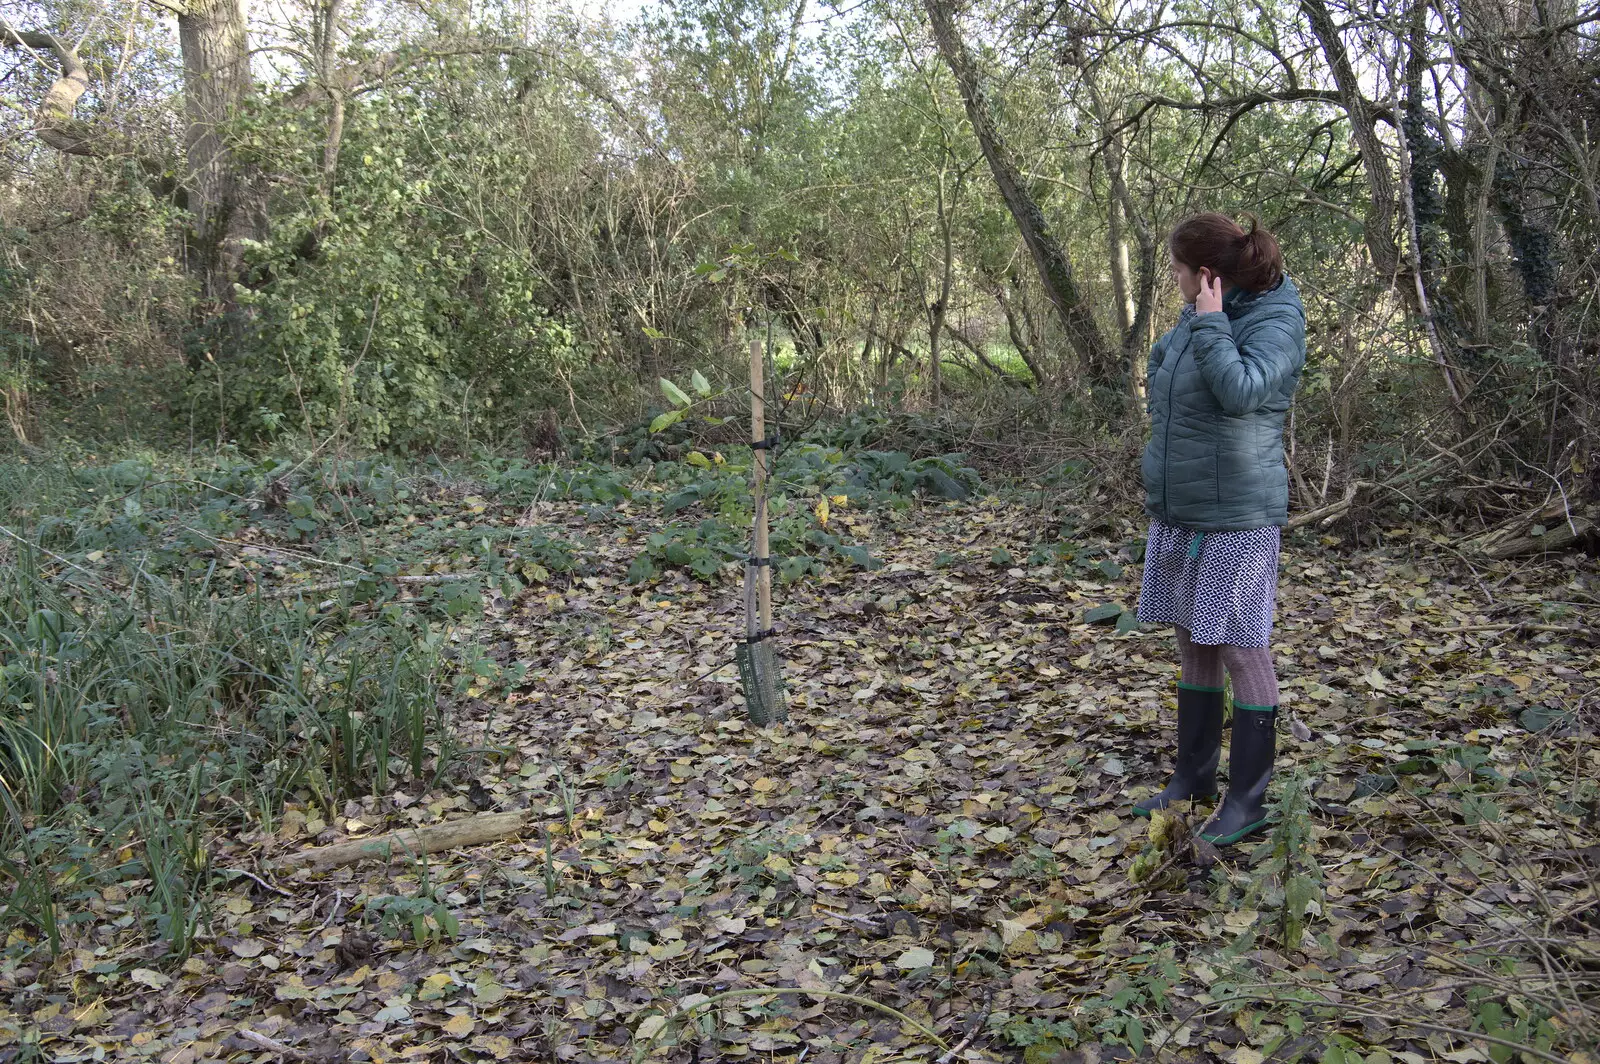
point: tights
(1255, 681)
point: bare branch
(56, 124)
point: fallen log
(1555, 527)
(1559, 538)
(413, 842)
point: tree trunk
(1378, 227)
(941, 306)
(1135, 311)
(1117, 235)
(1055, 268)
(226, 196)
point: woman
(1217, 494)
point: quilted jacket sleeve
(1243, 375)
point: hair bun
(1248, 258)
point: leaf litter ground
(942, 828)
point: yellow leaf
(458, 1026)
(433, 987)
(92, 1015)
(841, 501)
(497, 1044)
(149, 978)
(764, 785)
(822, 511)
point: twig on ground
(264, 884)
(272, 1045)
(333, 910)
(972, 1031)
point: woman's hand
(1209, 301)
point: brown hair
(1248, 259)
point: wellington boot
(1194, 773)
(1250, 757)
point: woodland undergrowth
(212, 663)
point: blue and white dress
(1221, 586)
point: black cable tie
(765, 633)
(767, 444)
(758, 561)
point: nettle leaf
(859, 556)
(642, 569)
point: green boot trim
(1233, 837)
(1256, 709)
(1196, 687)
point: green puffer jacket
(1219, 388)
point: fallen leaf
(916, 957)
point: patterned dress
(1221, 586)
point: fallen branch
(1325, 515)
(334, 585)
(1531, 626)
(414, 842)
(271, 1045)
(1515, 537)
